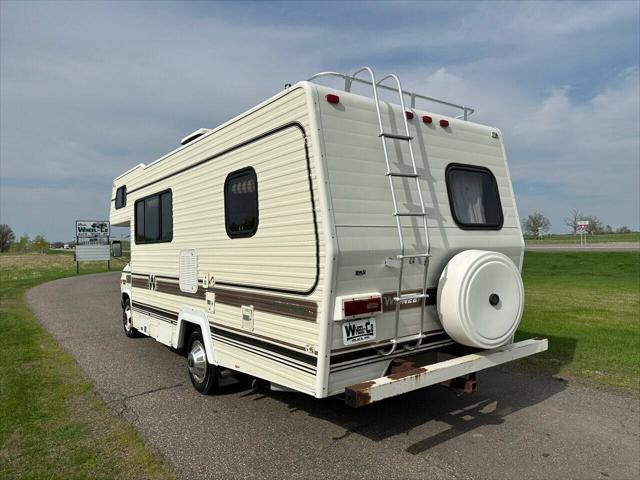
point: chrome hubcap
(197, 361)
(126, 318)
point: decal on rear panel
(358, 331)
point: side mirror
(116, 248)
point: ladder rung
(417, 255)
(399, 174)
(418, 296)
(409, 214)
(395, 136)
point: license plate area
(358, 331)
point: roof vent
(192, 136)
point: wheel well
(189, 328)
(125, 297)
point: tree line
(537, 224)
(24, 244)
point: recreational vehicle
(329, 242)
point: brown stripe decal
(138, 282)
(217, 327)
(288, 307)
(300, 309)
(171, 288)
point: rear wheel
(127, 321)
(204, 376)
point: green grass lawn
(588, 305)
(52, 424)
(601, 238)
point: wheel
(127, 321)
(204, 376)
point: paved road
(515, 426)
(590, 247)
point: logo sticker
(358, 331)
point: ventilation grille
(189, 270)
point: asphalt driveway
(515, 426)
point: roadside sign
(93, 229)
(582, 230)
(92, 241)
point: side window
(241, 203)
(166, 221)
(154, 218)
(121, 197)
(473, 197)
(140, 221)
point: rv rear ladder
(422, 214)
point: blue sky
(88, 90)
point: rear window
(473, 197)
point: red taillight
(331, 98)
(409, 115)
(363, 306)
(427, 119)
(444, 123)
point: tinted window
(166, 221)
(154, 218)
(140, 221)
(241, 203)
(121, 197)
(474, 197)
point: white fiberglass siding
(362, 204)
(285, 256)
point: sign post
(92, 242)
(582, 230)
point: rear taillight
(362, 306)
(331, 98)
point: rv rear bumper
(407, 381)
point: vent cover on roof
(192, 136)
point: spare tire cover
(480, 298)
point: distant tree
(572, 220)
(40, 244)
(608, 229)
(595, 226)
(536, 224)
(22, 245)
(7, 237)
(623, 229)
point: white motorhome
(329, 243)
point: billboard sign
(92, 253)
(92, 229)
(92, 240)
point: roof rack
(349, 79)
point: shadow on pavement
(501, 392)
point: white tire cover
(469, 284)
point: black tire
(127, 326)
(205, 377)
